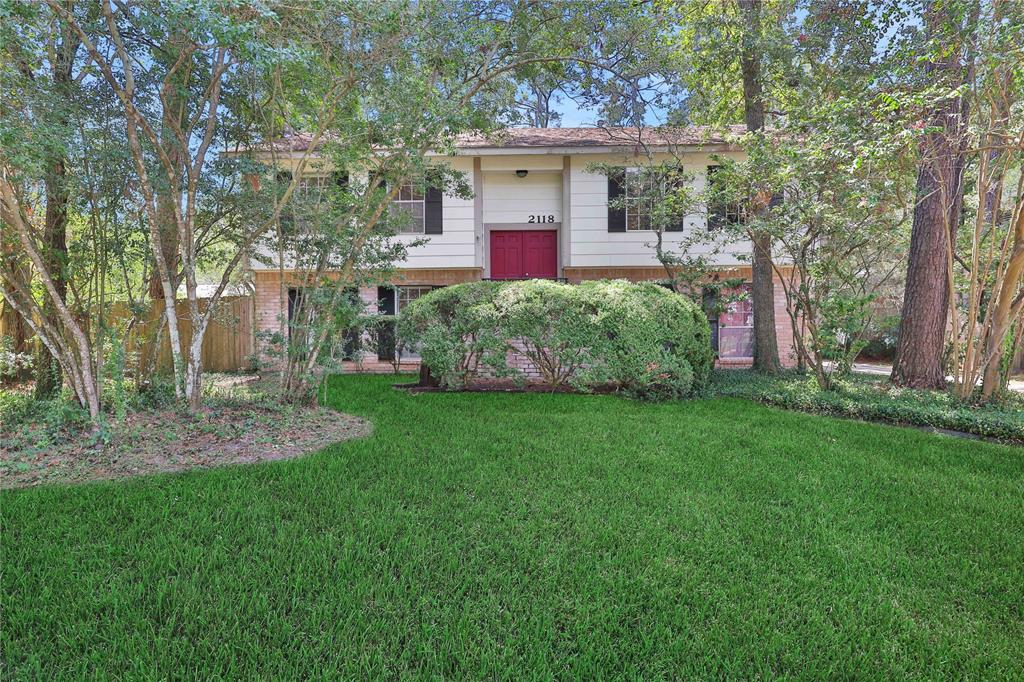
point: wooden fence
(228, 344)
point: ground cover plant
(534, 536)
(872, 398)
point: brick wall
(269, 310)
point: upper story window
(720, 213)
(639, 200)
(408, 208)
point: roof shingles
(525, 138)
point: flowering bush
(641, 339)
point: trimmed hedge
(874, 399)
(641, 338)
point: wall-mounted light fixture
(521, 173)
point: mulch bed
(502, 386)
(165, 440)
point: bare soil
(236, 429)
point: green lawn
(531, 536)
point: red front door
(524, 253)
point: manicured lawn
(530, 536)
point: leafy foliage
(873, 399)
(640, 338)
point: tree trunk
(49, 377)
(172, 118)
(1002, 313)
(766, 345)
(926, 297)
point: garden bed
(237, 427)
(872, 398)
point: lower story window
(392, 301)
(736, 328)
(732, 330)
(407, 295)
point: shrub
(455, 331)
(639, 338)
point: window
(407, 295)
(720, 213)
(407, 208)
(638, 201)
(392, 301)
(736, 327)
(303, 211)
(311, 187)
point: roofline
(628, 149)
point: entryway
(522, 254)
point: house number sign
(541, 219)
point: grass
(530, 536)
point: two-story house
(541, 209)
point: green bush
(638, 338)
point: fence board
(228, 344)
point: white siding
(456, 246)
(511, 199)
(592, 245)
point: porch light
(521, 173)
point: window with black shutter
(386, 337)
(433, 211)
(616, 212)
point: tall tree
(55, 249)
(940, 188)
(732, 61)
(766, 345)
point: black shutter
(433, 212)
(616, 215)
(286, 219)
(353, 335)
(386, 331)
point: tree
(733, 60)
(409, 76)
(838, 227)
(62, 334)
(38, 119)
(940, 189)
(985, 266)
(766, 346)
(45, 61)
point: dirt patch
(230, 431)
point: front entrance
(523, 254)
